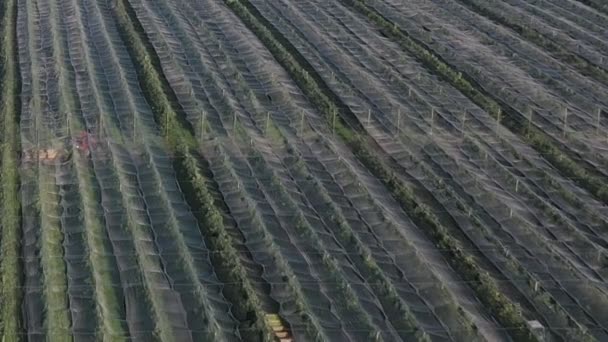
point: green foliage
(585, 67)
(312, 87)
(58, 318)
(303, 227)
(10, 215)
(210, 218)
(484, 286)
(179, 137)
(539, 140)
(595, 185)
(110, 305)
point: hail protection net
(113, 242)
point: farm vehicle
(83, 143)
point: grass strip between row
(483, 284)
(581, 172)
(58, 319)
(181, 141)
(10, 221)
(109, 301)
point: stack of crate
(280, 330)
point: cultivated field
(320, 170)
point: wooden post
(464, 119)
(302, 123)
(398, 120)
(100, 124)
(432, 119)
(565, 120)
(167, 124)
(517, 185)
(333, 124)
(37, 137)
(485, 159)
(203, 117)
(498, 121)
(597, 126)
(369, 116)
(267, 121)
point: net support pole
(498, 118)
(464, 120)
(333, 124)
(597, 124)
(203, 117)
(398, 120)
(432, 119)
(267, 121)
(565, 120)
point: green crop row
(598, 5)
(109, 302)
(537, 38)
(483, 284)
(586, 177)
(57, 315)
(545, 303)
(157, 91)
(147, 77)
(10, 263)
(536, 293)
(345, 294)
(400, 315)
(58, 318)
(485, 287)
(313, 325)
(183, 144)
(194, 183)
(110, 310)
(147, 262)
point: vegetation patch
(484, 286)
(560, 156)
(180, 139)
(10, 221)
